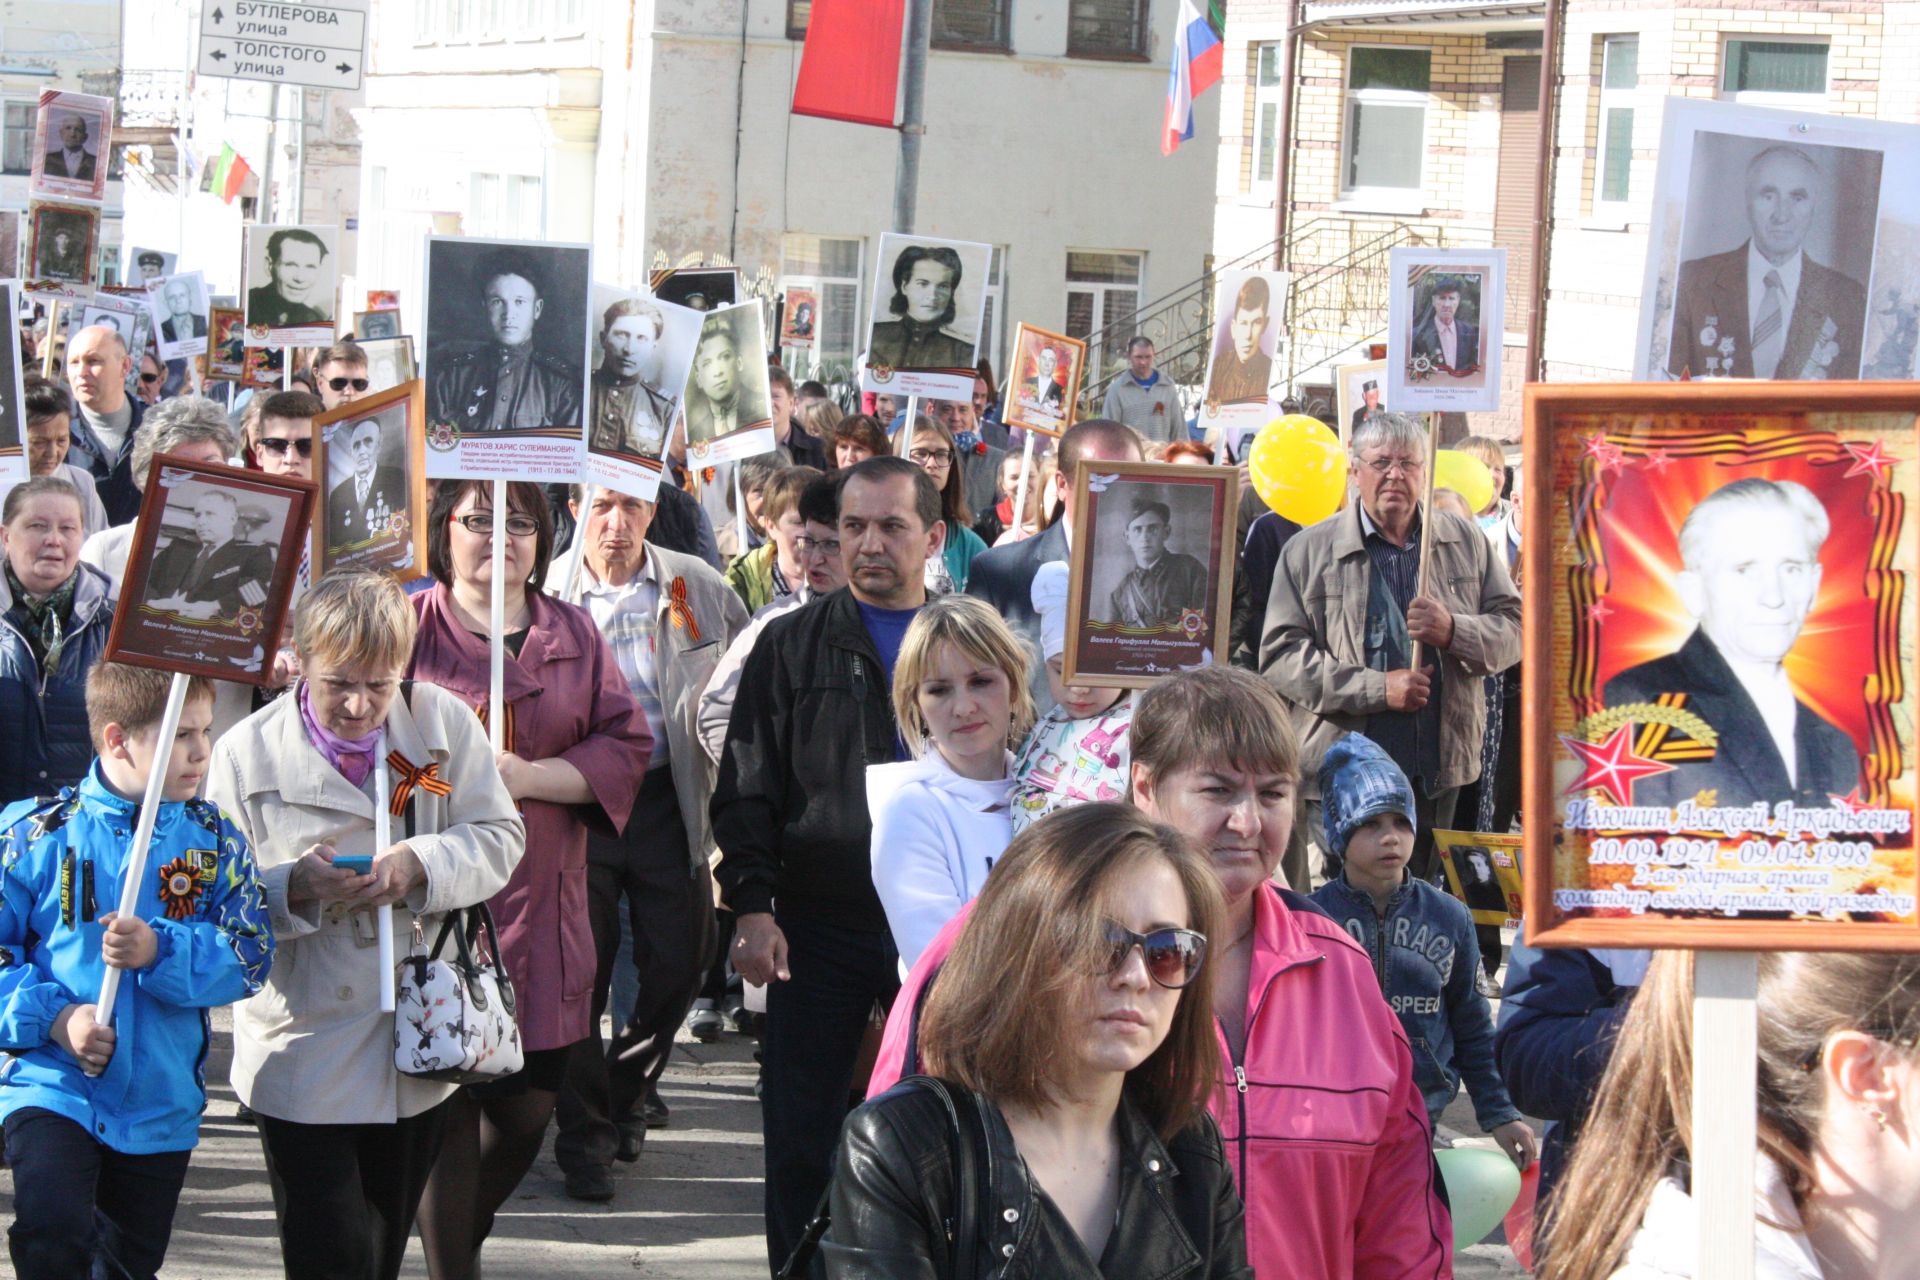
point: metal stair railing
(1342, 302)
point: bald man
(103, 430)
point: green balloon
(1481, 1186)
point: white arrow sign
(320, 45)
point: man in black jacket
(790, 816)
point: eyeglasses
(1405, 466)
(520, 526)
(149, 377)
(278, 447)
(806, 546)
(931, 457)
(1173, 956)
(341, 384)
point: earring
(1878, 1116)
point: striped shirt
(628, 616)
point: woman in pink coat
(576, 752)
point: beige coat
(313, 1046)
(1314, 646)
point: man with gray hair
(1750, 572)
(1344, 613)
(104, 429)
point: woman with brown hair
(932, 450)
(1836, 1185)
(1074, 1020)
(857, 438)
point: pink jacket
(1326, 1131)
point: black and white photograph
(505, 358)
(64, 239)
(1361, 392)
(1483, 871)
(1245, 362)
(1151, 568)
(389, 362)
(371, 467)
(178, 307)
(929, 298)
(728, 403)
(215, 555)
(292, 280)
(13, 457)
(376, 324)
(9, 243)
(642, 353)
(141, 266)
(1445, 329)
(698, 288)
(71, 137)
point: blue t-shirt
(888, 627)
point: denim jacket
(1425, 956)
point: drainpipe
(1283, 141)
(1543, 193)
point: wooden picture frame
(1493, 891)
(226, 344)
(1690, 832)
(1126, 632)
(388, 531)
(1029, 410)
(221, 615)
(74, 277)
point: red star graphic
(1600, 611)
(1656, 461)
(1868, 460)
(1851, 801)
(1609, 455)
(1611, 766)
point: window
(505, 205)
(1107, 28)
(1268, 89)
(970, 24)
(799, 12)
(569, 16)
(1619, 84)
(1103, 293)
(19, 137)
(992, 318)
(830, 269)
(1775, 70)
(1386, 119)
(458, 27)
(426, 28)
(490, 19)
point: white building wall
(70, 45)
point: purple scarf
(353, 759)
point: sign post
(319, 44)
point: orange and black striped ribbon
(408, 776)
(681, 611)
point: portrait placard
(697, 288)
(110, 313)
(70, 139)
(505, 359)
(728, 401)
(389, 362)
(292, 281)
(1361, 391)
(1483, 871)
(1445, 329)
(13, 406)
(1783, 244)
(1246, 357)
(642, 354)
(1150, 586)
(383, 299)
(226, 344)
(1045, 387)
(264, 367)
(799, 318)
(178, 309)
(376, 324)
(369, 458)
(929, 298)
(62, 242)
(140, 267)
(1719, 685)
(215, 556)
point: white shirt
(936, 835)
(1757, 268)
(1449, 343)
(1667, 1245)
(1772, 693)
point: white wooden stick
(497, 625)
(1726, 985)
(1020, 486)
(904, 445)
(136, 872)
(382, 841)
(570, 592)
(739, 511)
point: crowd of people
(1167, 984)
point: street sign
(321, 44)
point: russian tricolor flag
(1196, 69)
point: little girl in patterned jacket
(1078, 751)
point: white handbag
(453, 1016)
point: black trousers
(345, 1195)
(81, 1209)
(670, 910)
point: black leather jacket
(1179, 1216)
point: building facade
(72, 46)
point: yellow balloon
(1298, 468)
(1466, 475)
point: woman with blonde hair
(940, 820)
(1836, 1186)
(1072, 1029)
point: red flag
(850, 69)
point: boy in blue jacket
(101, 1120)
(1421, 939)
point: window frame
(1003, 44)
(1391, 199)
(1098, 358)
(30, 110)
(1265, 95)
(1142, 39)
(817, 355)
(1609, 100)
(1772, 97)
(797, 27)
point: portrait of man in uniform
(630, 412)
(1369, 402)
(926, 279)
(724, 394)
(1242, 368)
(213, 574)
(361, 507)
(1162, 584)
(1446, 338)
(511, 381)
(1041, 387)
(1750, 573)
(63, 243)
(150, 266)
(299, 288)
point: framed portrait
(1813, 201)
(383, 299)
(1150, 585)
(265, 367)
(1719, 694)
(214, 558)
(1045, 383)
(1483, 871)
(642, 355)
(929, 302)
(369, 460)
(226, 344)
(799, 317)
(1360, 390)
(505, 358)
(178, 309)
(1445, 329)
(698, 288)
(292, 280)
(389, 362)
(70, 146)
(9, 243)
(119, 319)
(1246, 352)
(728, 402)
(62, 242)
(141, 267)
(13, 405)
(376, 324)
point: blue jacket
(43, 717)
(112, 475)
(1425, 956)
(202, 898)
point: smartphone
(359, 863)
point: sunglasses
(482, 522)
(1173, 956)
(341, 384)
(278, 447)
(149, 377)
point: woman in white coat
(349, 1140)
(942, 819)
